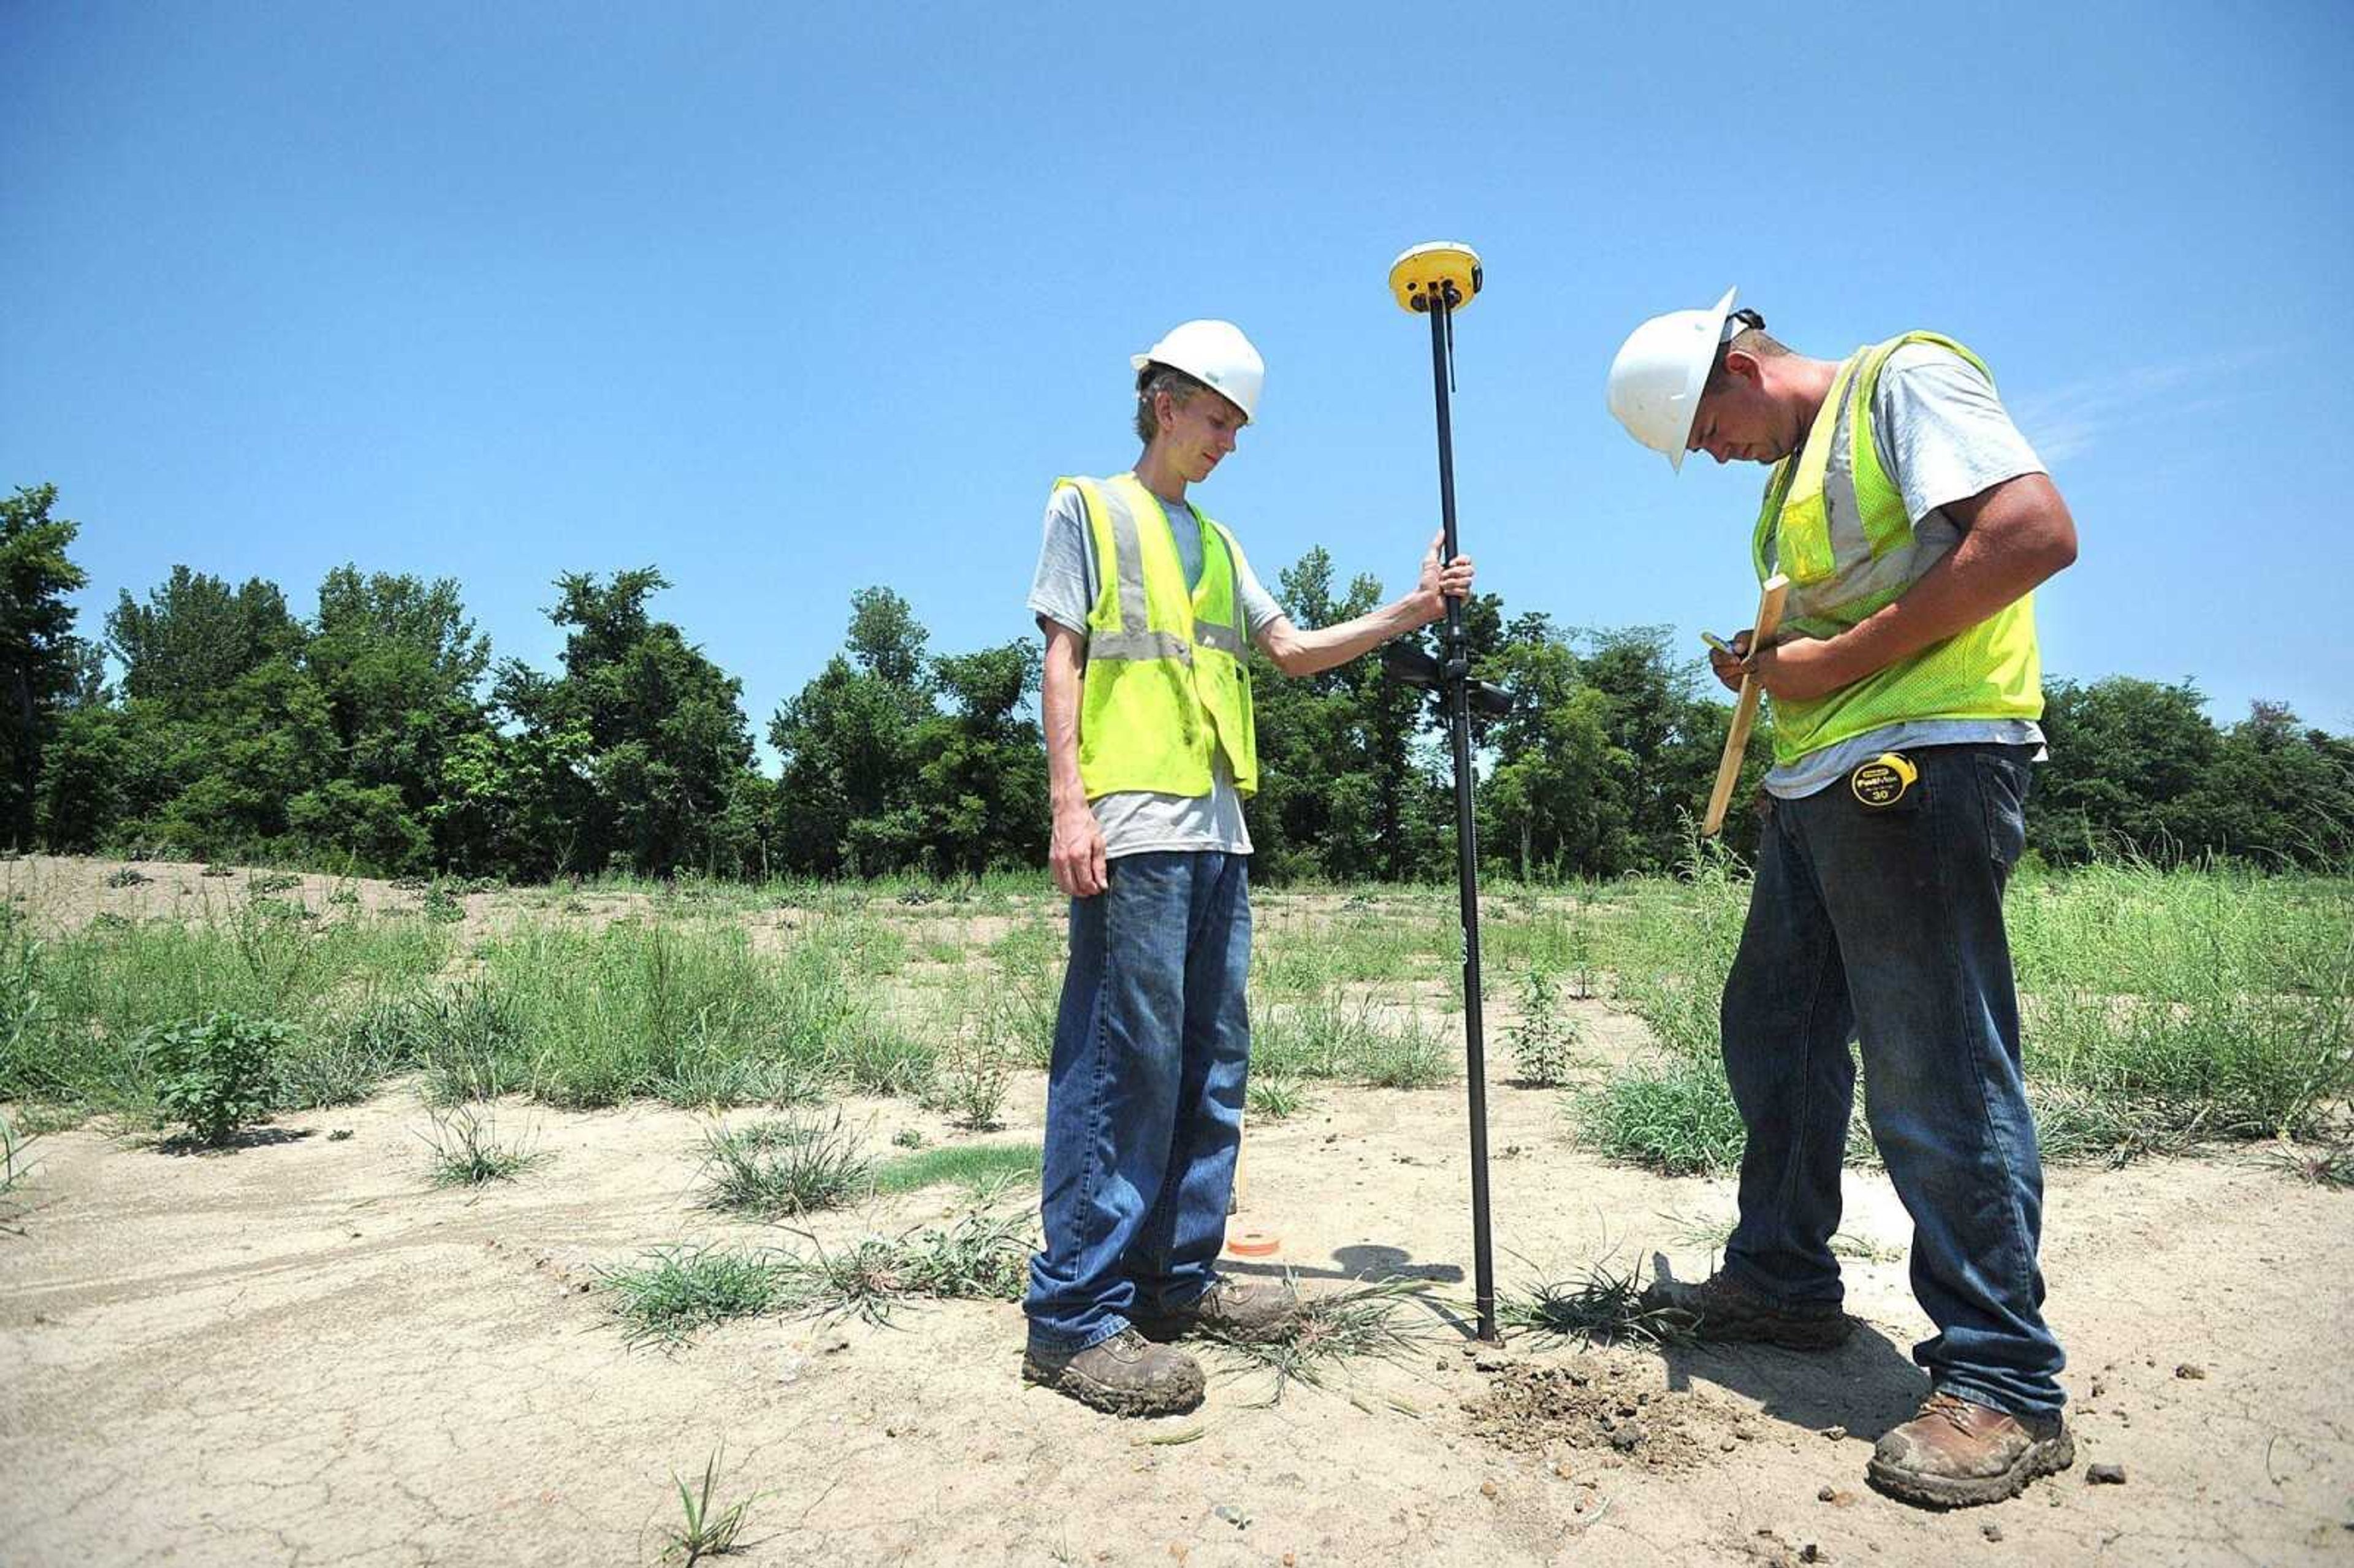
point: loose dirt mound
(1600, 1401)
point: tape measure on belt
(1883, 781)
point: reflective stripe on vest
(1842, 537)
(1165, 686)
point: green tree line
(376, 731)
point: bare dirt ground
(300, 1353)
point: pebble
(1488, 1490)
(2191, 1370)
(1835, 1433)
(1991, 1531)
(2106, 1476)
(1232, 1515)
(1625, 1438)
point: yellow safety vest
(1843, 540)
(1166, 684)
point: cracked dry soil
(301, 1353)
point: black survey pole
(1435, 280)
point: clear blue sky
(791, 300)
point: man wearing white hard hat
(1913, 523)
(1147, 604)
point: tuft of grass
(1273, 1098)
(789, 1166)
(1599, 1307)
(879, 1058)
(975, 1065)
(979, 1168)
(668, 1293)
(706, 1531)
(2323, 1165)
(468, 1151)
(1675, 1116)
(1329, 1332)
(979, 1257)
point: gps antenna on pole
(1436, 281)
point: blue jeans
(1144, 1101)
(1886, 924)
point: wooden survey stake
(1744, 707)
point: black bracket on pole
(1435, 280)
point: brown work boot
(1125, 1375)
(1955, 1454)
(1721, 1309)
(1229, 1310)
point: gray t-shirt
(1942, 436)
(1063, 588)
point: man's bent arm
(1298, 652)
(2017, 535)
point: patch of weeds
(1676, 1117)
(1544, 1042)
(908, 1138)
(468, 1039)
(282, 909)
(980, 1168)
(879, 1058)
(670, 1293)
(411, 884)
(439, 904)
(1599, 1307)
(1409, 1059)
(1273, 1098)
(706, 1531)
(466, 1151)
(345, 895)
(343, 1070)
(2323, 1165)
(274, 881)
(340, 1135)
(713, 1082)
(108, 920)
(974, 1067)
(218, 869)
(216, 1074)
(1328, 1332)
(788, 1166)
(128, 876)
(980, 1258)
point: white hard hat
(1214, 354)
(1656, 381)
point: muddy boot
(1955, 1454)
(1229, 1310)
(1126, 1375)
(1718, 1309)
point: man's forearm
(1059, 708)
(2019, 535)
(1298, 652)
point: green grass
(73, 1008)
(1334, 1036)
(1330, 1331)
(669, 1294)
(1599, 1307)
(2160, 1008)
(469, 1152)
(980, 1168)
(793, 1165)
